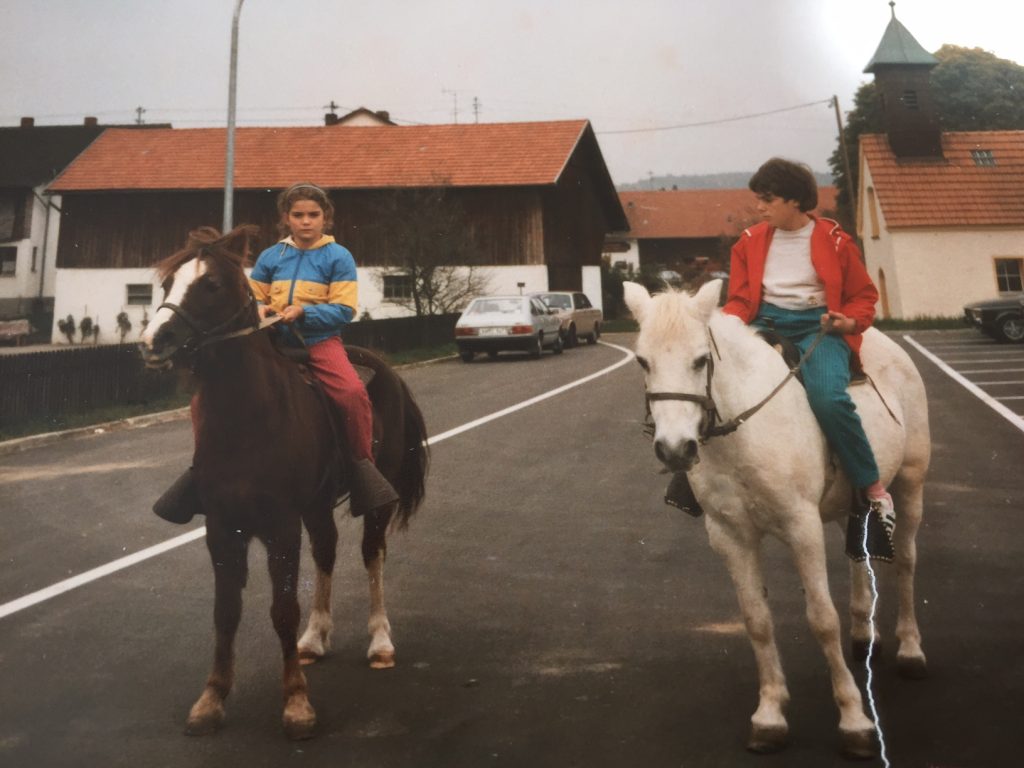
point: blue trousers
(826, 378)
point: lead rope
(871, 649)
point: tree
(973, 90)
(430, 265)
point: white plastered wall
(101, 294)
(26, 282)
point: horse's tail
(412, 474)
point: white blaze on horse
(774, 475)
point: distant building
(690, 229)
(941, 214)
(538, 200)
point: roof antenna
(892, 7)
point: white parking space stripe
(987, 360)
(990, 383)
(81, 579)
(1011, 397)
(974, 389)
(993, 370)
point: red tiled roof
(698, 212)
(954, 191)
(488, 154)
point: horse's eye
(643, 363)
(700, 362)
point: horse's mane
(208, 241)
(674, 309)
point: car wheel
(466, 355)
(558, 346)
(571, 339)
(537, 346)
(594, 335)
(1011, 328)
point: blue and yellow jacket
(322, 280)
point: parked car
(578, 316)
(1002, 319)
(493, 324)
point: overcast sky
(622, 64)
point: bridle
(711, 424)
(203, 337)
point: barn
(534, 202)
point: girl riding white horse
(775, 475)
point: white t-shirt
(790, 280)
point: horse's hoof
(861, 648)
(859, 745)
(309, 657)
(382, 660)
(766, 740)
(299, 720)
(204, 725)
(912, 667)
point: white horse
(774, 475)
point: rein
(711, 424)
(203, 337)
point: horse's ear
(707, 298)
(637, 299)
(239, 239)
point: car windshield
(495, 306)
(557, 302)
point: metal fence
(74, 379)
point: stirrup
(179, 503)
(880, 520)
(370, 490)
(679, 494)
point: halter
(710, 425)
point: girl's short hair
(304, 190)
(788, 180)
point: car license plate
(494, 331)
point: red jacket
(836, 259)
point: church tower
(902, 69)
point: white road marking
(81, 579)
(974, 389)
(992, 370)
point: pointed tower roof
(898, 47)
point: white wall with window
(27, 264)
(102, 294)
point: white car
(580, 318)
(493, 324)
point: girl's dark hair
(304, 190)
(788, 180)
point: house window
(8, 261)
(983, 157)
(1008, 275)
(139, 293)
(397, 287)
(909, 99)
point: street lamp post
(229, 164)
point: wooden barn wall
(504, 225)
(574, 228)
(673, 253)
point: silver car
(493, 324)
(580, 319)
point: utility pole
(229, 164)
(455, 103)
(846, 158)
(476, 110)
(139, 112)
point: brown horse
(267, 462)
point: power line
(719, 122)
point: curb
(19, 444)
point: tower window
(909, 99)
(983, 157)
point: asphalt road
(548, 610)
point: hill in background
(735, 180)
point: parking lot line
(971, 387)
(81, 579)
(994, 370)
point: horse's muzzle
(679, 457)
